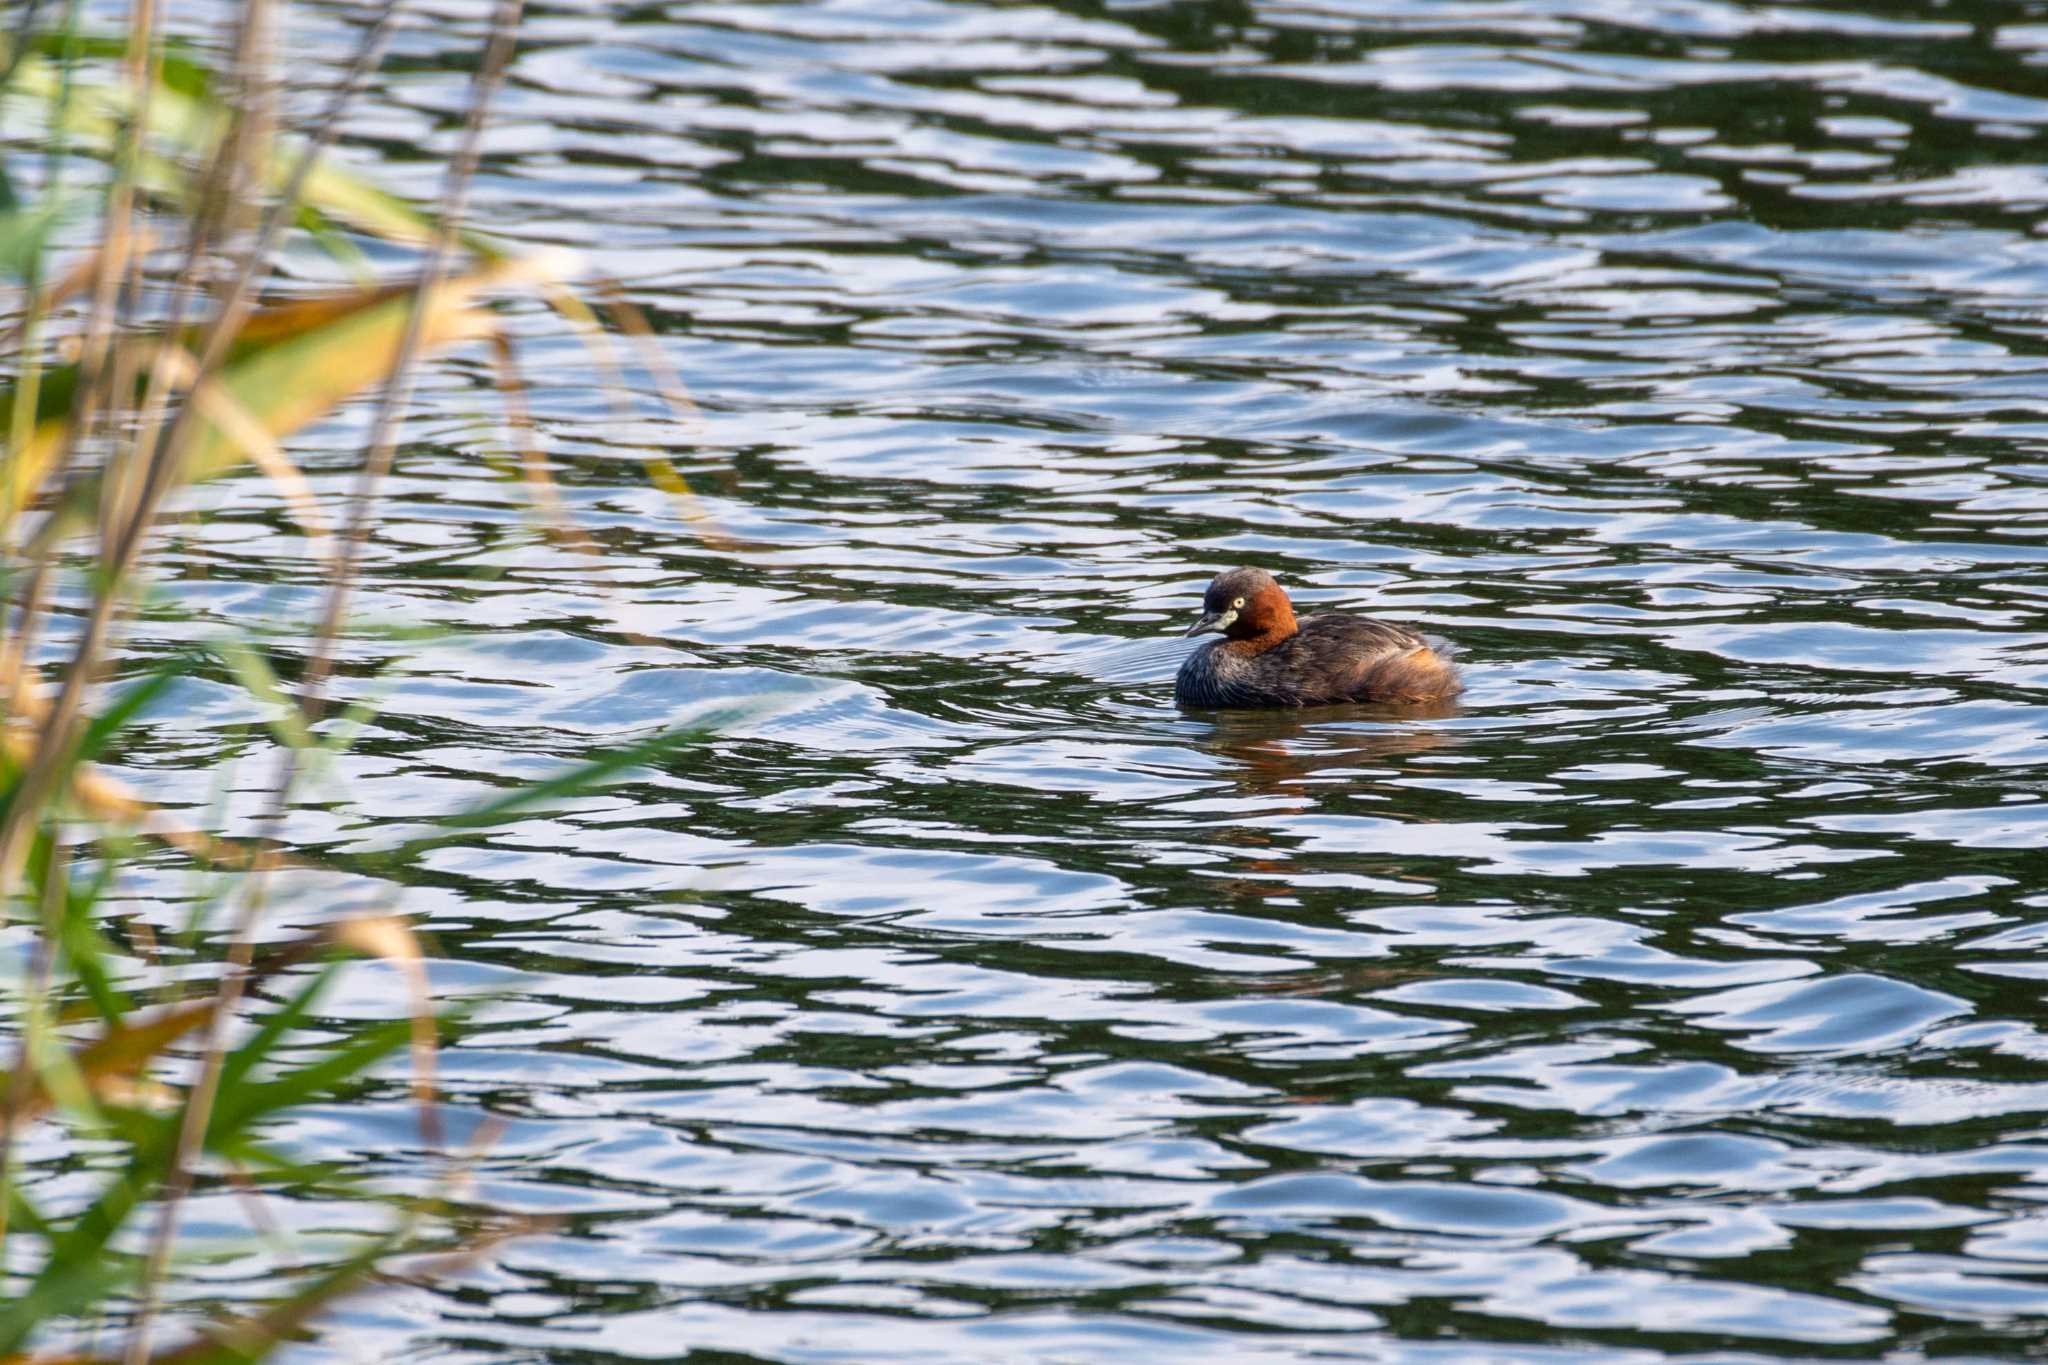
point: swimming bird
(1267, 658)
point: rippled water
(1677, 995)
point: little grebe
(1267, 659)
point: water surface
(1676, 996)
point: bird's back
(1331, 658)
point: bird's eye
(1237, 605)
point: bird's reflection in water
(1299, 762)
(1289, 752)
(1314, 981)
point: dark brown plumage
(1267, 658)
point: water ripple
(1671, 996)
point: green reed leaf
(253, 671)
(347, 1062)
(86, 949)
(236, 1066)
(586, 776)
(77, 1270)
(124, 708)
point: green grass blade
(78, 1271)
(111, 721)
(232, 1113)
(251, 1339)
(582, 777)
(237, 1065)
(86, 949)
(259, 680)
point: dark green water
(1677, 996)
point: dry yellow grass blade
(109, 1066)
(392, 939)
(103, 797)
(533, 465)
(295, 362)
(241, 426)
(82, 273)
(660, 472)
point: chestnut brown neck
(1265, 620)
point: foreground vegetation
(150, 346)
